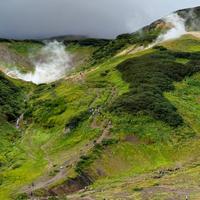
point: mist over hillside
(53, 62)
(23, 19)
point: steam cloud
(178, 28)
(51, 64)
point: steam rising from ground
(51, 64)
(177, 30)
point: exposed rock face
(72, 185)
(68, 187)
(192, 18)
(157, 25)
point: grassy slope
(132, 157)
(44, 142)
(169, 182)
(80, 56)
(29, 151)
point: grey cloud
(97, 18)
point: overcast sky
(97, 18)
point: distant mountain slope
(182, 21)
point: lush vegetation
(86, 160)
(12, 99)
(68, 127)
(41, 110)
(149, 77)
(25, 48)
(186, 43)
(88, 42)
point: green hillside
(120, 126)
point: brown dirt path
(105, 126)
(81, 75)
(64, 169)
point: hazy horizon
(33, 19)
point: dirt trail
(81, 75)
(105, 126)
(63, 172)
(131, 50)
(105, 133)
(177, 193)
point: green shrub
(137, 189)
(149, 77)
(75, 121)
(83, 162)
(16, 165)
(22, 196)
(108, 142)
(11, 99)
(42, 110)
(2, 178)
(90, 42)
(86, 160)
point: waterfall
(19, 120)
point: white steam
(177, 30)
(51, 64)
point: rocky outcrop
(192, 18)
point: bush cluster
(88, 42)
(76, 120)
(42, 111)
(149, 77)
(11, 99)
